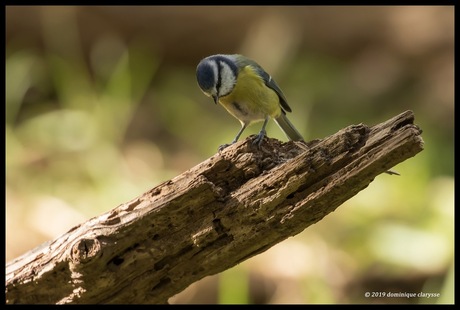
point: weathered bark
(234, 205)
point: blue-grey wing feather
(272, 84)
(243, 61)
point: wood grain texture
(235, 205)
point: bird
(247, 92)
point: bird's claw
(223, 146)
(259, 138)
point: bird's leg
(261, 135)
(243, 127)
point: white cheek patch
(213, 64)
(227, 79)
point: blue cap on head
(205, 76)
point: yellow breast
(251, 100)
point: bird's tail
(288, 128)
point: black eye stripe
(219, 77)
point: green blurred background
(102, 105)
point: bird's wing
(267, 79)
(272, 84)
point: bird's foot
(223, 146)
(259, 138)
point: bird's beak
(216, 99)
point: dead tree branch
(235, 205)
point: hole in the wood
(163, 282)
(217, 225)
(291, 195)
(160, 265)
(156, 237)
(117, 260)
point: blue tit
(246, 91)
